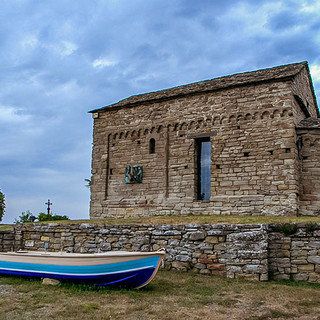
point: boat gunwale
(73, 255)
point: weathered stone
(262, 127)
(314, 277)
(249, 268)
(212, 239)
(281, 276)
(173, 233)
(216, 266)
(29, 243)
(206, 261)
(301, 277)
(252, 277)
(198, 235)
(314, 259)
(243, 255)
(50, 281)
(306, 267)
(181, 265)
(200, 266)
(183, 258)
(264, 277)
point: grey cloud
(191, 9)
(155, 45)
(284, 20)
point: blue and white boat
(114, 268)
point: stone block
(183, 258)
(200, 266)
(301, 277)
(216, 266)
(264, 277)
(251, 277)
(50, 282)
(29, 243)
(197, 235)
(314, 277)
(250, 268)
(212, 239)
(281, 276)
(184, 266)
(206, 261)
(314, 259)
(306, 268)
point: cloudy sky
(60, 59)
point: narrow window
(152, 146)
(203, 146)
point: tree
(49, 217)
(25, 217)
(2, 205)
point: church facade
(246, 144)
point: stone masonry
(265, 157)
(253, 252)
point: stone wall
(297, 255)
(253, 155)
(310, 172)
(301, 87)
(235, 251)
(7, 239)
(255, 161)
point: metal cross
(49, 204)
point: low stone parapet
(250, 251)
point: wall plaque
(133, 174)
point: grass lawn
(210, 219)
(171, 295)
(201, 219)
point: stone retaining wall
(295, 256)
(7, 240)
(253, 251)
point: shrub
(29, 217)
(286, 228)
(25, 217)
(310, 227)
(49, 217)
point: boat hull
(125, 269)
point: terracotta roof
(309, 123)
(280, 72)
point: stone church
(246, 144)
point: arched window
(152, 146)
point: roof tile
(280, 72)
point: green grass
(201, 219)
(5, 227)
(171, 295)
